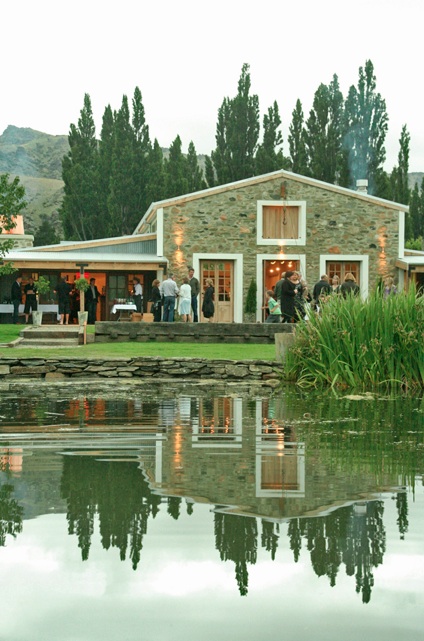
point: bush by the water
(362, 344)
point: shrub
(361, 344)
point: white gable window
(280, 220)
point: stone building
(263, 226)
(253, 229)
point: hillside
(36, 158)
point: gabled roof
(283, 174)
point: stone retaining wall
(112, 331)
(154, 368)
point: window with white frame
(281, 221)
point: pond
(156, 512)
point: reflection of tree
(402, 509)
(174, 504)
(236, 540)
(351, 535)
(121, 496)
(270, 536)
(10, 514)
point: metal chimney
(362, 186)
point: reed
(361, 344)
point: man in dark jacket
(91, 299)
(16, 296)
(321, 288)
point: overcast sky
(186, 56)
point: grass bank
(377, 343)
(234, 351)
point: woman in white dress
(185, 301)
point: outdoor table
(126, 308)
(52, 309)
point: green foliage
(250, 304)
(362, 344)
(297, 142)
(46, 233)
(269, 156)
(323, 135)
(176, 170)
(81, 284)
(400, 191)
(80, 211)
(365, 128)
(43, 285)
(416, 244)
(12, 202)
(414, 224)
(237, 134)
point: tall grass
(362, 344)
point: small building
(256, 228)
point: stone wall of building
(337, 223)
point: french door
(221, 272)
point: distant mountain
(415, 177)
(27, 152)
(36, 158)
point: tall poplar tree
(365, 129)
(156, 177)
(176, 170)
(297, 143)
(400, 191)
(195, 173)
(323, 135)
(80, 212)
(269, 156)
(120, 200)
(237, 133)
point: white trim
(301, 240)
(260, 258)
(238, 278)
(363, 259)
(401, 238)
(159, 231)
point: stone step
(55, 333)
(48, 343)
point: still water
(149, 513)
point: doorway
(221, 272)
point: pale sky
(186, 56)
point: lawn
(229, 351)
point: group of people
(69, 301)
(167, 297)
(290, 300)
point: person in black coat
(349, 286)
(16, 297)
(289, 291)
(156, 300)
(63, 290)
(92, 297)
(208, 307)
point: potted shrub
(42, 286)
(82, 284)
(250, 304)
